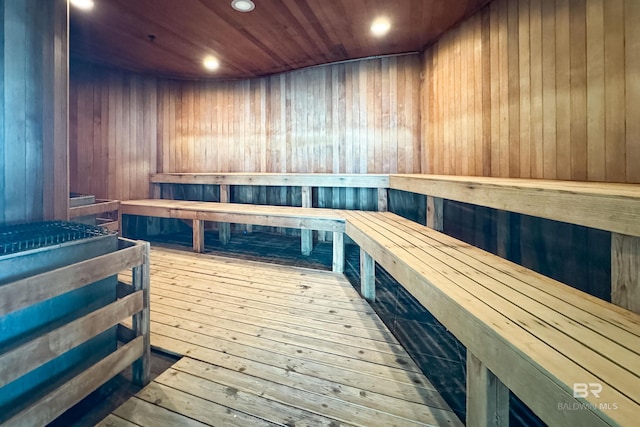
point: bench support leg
(503, 234)
(367, 276)
(306, 236)
(383, 202)
(487, 397)
(435, 213)
(625, 271)
(224, 228)
(198, 236)
(338, 252)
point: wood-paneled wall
(113, 132)
(33, 110)
(536, 88)
(361, 116)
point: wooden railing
(35, 351)
(107, 213)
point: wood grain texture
(607, 206)
(286, 123)
(33, 111)
(559, 92)
(277, 36)
(625, 271)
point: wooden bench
(605, 206)
(572, 358)
(276, 216)
(308, 182)
(523, 332)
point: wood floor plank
(197, 408)
(303, 293)
(283, 344)
(267, 302)
(282, 320)
(242, 324)
(145, 414)
(242, 401)
(273, 345)
(115, 421)
(331, 406)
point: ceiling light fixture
(380, 27)
(211, 63)
(243, 5)
(83, 4)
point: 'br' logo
(583, 389)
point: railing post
(306, 236)
(487, 397)
(224, 228)
(141, 320)
(367, 276)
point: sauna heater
(30, 249)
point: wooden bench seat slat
(606, 206)
(592, 312)
(281, 216)
(549, 325)
(441, 291)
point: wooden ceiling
(171, 37)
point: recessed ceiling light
(243, 5)
(380, 27)
(83, 4)
(211, 63)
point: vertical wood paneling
(614, 90)
(114, 132)
(356, 117)
(33, 110)
(578, 120)
(632, 81)
(559, 89)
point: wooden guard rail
(132, 302)
(101, 206)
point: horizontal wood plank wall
(536, 89)
(356, 117)
(113, 132)
(33, 110)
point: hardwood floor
(265, 344)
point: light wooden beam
(625, 271)
(487, 397)
(198, 236)
(435, 213)
(224, 228)
(367, 276)
(306, 236)
(605, 206)
(338, 252)
(383, 200)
